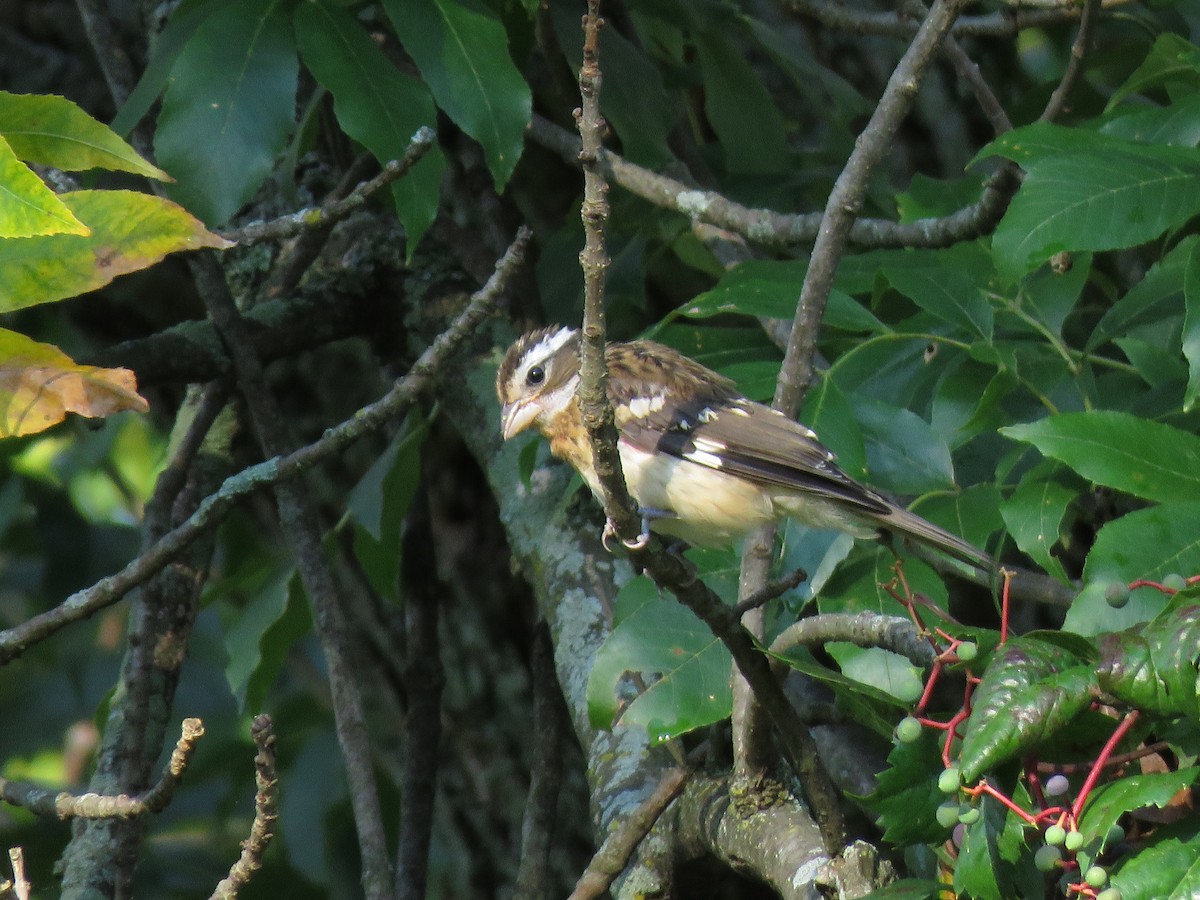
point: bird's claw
(638, 543)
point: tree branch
(262, 830)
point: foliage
(1032, 384)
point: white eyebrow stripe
(549, 345)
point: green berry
(1110, 894)
(1047, 858)
(1096, 876)
(968, 814)
(1116, 594)
(947, 814)
(1073, 841)
(950, 781)
(1115, 835)
(1174, 582)
(967, 651)
(1055, 835)
(1057, 785)
(908, 731)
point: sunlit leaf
(39, 385)
(53, 131)
(130, 231)
(27, 207)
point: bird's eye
(536, 375)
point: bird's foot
(638, 543)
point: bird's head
(538, 377)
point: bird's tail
(909, 524)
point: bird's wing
(751, 441)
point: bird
(705, 463)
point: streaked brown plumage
(709, 463)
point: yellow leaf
(129, 231)
(39, 385)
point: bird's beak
(516, 417)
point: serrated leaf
(461, 49)
(129, 231)
(1034, 514)
(53, 131)
(906, 794)
(977, 873)
(904, 454)
(1110, 801)
(1143, 458)
(27, 207)
(1155, 667)
(1030, 689)
(39, 385)
(664, 639)
(1177, 125)
(229, 107)
(1102, 195)
(376, 104)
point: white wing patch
(641, 407)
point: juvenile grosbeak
(703, 462)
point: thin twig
(262, 830)
(614, 854)
(65, 805)
(861, 629)
(211, 511)
(1079, 50)
(20, 883)
(1006, 23)
(769, 592)
(331, 212)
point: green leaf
(978, 871)
(1145, 544)
(129, 231)
(1157, 298)
(881, 669)
(690, 689)
(1034, 515)
(1099, 195)
(830, 414)
(166, 47)
(380, 501)
(1166, 867)
(1177, 125)
(949, 284)
(53, 131)
(1143, 458)
(904, 454)
(906, 792)
(259, 638)
(376, 104)
(1189, 253)
(1172, 61)
(1110, 801)
(740, 110)
(1154, 667)
(633, 100)
(27, 207)
(462, 51)
(1030, 690)
(229, 107)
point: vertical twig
(593, 397)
